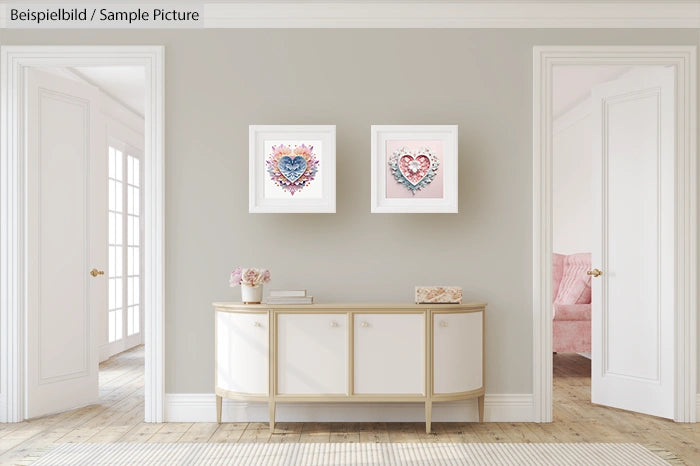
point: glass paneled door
(124, 311)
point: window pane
(111, 228)
(119, 318)
(112, 294)
(112, 201)
(137, 319)
(130, 291)
(118, 259)
(136, 262)
(118, 293)
(118, 173)
(137, 179)
(130, 169)
(112, 326)
(118, 196)
(119, 229)
(137, 201)
(130, 321)
(111, 162)
(137, 231)
(111, 260)
(137, 289)
(130, 202)
(130, 229)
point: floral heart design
(291, 168)
(414, 170)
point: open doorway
(572, 228)
(642, 228)
(87, 122)
(85, 142)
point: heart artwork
(414, 169)
(292, 168)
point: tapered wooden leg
(428, 415)
(481, 408)
(218, 409)
(271, 405)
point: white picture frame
(305, 187)
(391, 191)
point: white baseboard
(201, 407)
(697, 408)
(2, 409)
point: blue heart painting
(291, 168)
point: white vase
(251, 294)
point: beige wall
(220, 81)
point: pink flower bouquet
(249, 277)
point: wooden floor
(119, 418)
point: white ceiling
(572, 84)
(124, 83)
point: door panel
(311, 353)
(62, 228)
(242, 352)
(389, 353)
(457, 352)
(633, 306)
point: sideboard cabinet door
(312, 354)
(457, 352)
(242, 352)
(389, 354)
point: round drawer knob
(365, 324)
(334, 324)
(256, 324)
(443, 323)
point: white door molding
(13, 246)
(683, 58)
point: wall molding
(201, 407)
(13, 306)
(685, 292)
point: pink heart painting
(414, 170)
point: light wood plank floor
(119, 418)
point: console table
(349, 352)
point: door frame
(683, 58)
(14, 61)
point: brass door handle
(95, 272)
(595, 273)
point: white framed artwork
(292, 168)
(414, 169)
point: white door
(66, 234)
(312, 354)
(389, 353)
(633, 198)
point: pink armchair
(571, 295)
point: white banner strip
(358, 14)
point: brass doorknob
(95, 272)
(595, 272)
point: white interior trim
(201, 407)
(684, 59)
(459, 14)
(13, 61)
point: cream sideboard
(349, 352)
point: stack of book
(289, 297)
